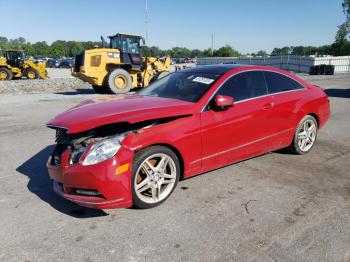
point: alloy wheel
(307, 135)
(155, 178)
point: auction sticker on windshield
(203, 80)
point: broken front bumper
(96, 186)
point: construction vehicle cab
(129, 47)
(14, 66)
(118, 66)
(14, 58)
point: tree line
(335, 49)
(183, 52)
(61, 48)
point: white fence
(291, 63)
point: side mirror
(223, 102)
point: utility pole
(212, 44)
(146, 20)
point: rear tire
(119, 81)
(31, 73)
(5, 74)
(305, 136)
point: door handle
(268, 106)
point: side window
(278, 83)
(244, 86)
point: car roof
(215, 69)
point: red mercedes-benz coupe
(131, 150)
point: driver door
(238, 132)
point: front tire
(305, 136)
(119, 81)
(31, 73)
(156, 172)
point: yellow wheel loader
(119, 67)
(14, 66)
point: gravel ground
(276, 207)
(60, 80)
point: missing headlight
(76, 155)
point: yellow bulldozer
(118, 66)
(13, 65)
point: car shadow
(344, 93)
(78, 91)
(40, 184)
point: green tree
(91, 44)
(226, 51)
(3, 43)
(145, 51)
(343, 31)
(207, 52)
(261, 53)
(344, 28)
(29, 49)
(276, 51)
(58, 49)
(180, 52)
(155, 51)
(74, 47)
(196, 53)
(41, 49)
(281, 51)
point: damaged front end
(93, 167)
(91, 143)
(109, 137)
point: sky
(246, 25)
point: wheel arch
(306, 111)
(177, 153)
(316, 117)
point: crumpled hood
(93, 113)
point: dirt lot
(276, 207)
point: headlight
(102, 150)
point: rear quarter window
(277, 83)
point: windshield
(188, 86)
(126, 44)
(15, 55)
